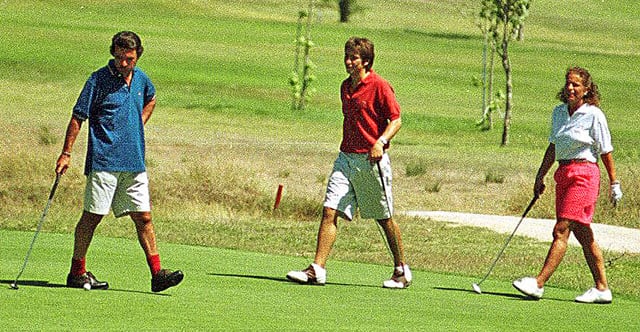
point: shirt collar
(368, 78)
(111, 65)
(112, 68)
(363, 81)
(582, 109)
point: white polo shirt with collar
(583, 135)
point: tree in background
(487, 23)
(302, 77)
(509, 16)
(345, 9)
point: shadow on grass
(283, 280)
(47, 284)
(507, 295)
(447, 36)
(34, 283)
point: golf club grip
(55, 186)
(533, 201)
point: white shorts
(355, 184)
(123, 192)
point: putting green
(233, 290)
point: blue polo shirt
(114, 110)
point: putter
(14, 285)
(476, 286)
(384, 237)
(384, 190)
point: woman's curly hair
(592, 96)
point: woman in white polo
(579, 137)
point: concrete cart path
(612, 238)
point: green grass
(238, 290)
(223, 138)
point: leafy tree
(509, 16)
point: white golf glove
(616, 192)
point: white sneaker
(401, 278)
(594, 295)
(529, 287)
(312, 275)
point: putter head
(476, 288)
(14, 285)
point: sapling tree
(487, 23)
(509, 15)
(301, 77)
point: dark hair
(592, 96)
(128, 40)
(364, 47)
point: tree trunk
(484, 74)
(521, 32)
(345, 10)
(509, 86)
(307, 60)
(296, 63)
(490, 92)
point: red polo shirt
(367, 112)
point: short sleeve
(82, 108)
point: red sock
(78, 267)
(154, 264)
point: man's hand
(376, 152)
(63, 163)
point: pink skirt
(577, 189)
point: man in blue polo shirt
(117, 100)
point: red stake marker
(278, 197)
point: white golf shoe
(594, 295)
(401, 278)
(312, 275)
(529, 287)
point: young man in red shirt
(361, 176)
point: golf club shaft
(35, 235)
(384, 190)
(506, 243)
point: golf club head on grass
(476, 288)
(14, 285)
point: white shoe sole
(302, 278)
(529, 294)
